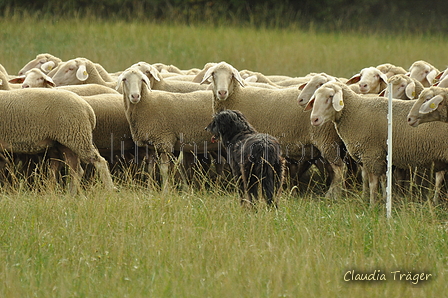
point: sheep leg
(373, 185)
(440, 177)
(337, 182)
(365, 182)
(75, 170)
(164, 170)
(102, 169)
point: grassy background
(197, 243)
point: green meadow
(199, 241)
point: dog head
(227, 124)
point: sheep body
(34, 120)
(362, 125)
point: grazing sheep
(423, 72)
(259, 77)
(369, 80)
(38, 119)
(166, 121)
(36, 78)
(404, 87)
(431, 105)
(312, 85)
(167, 68)
(390, 69)
(362, 124)
(157, 82)
(264, 108)
(80, 71)
(46, 62)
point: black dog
(253, 157)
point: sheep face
(403, 87)
(223, 77)
(325, 103)
(133, 81)
(309, 88)
(370, 80)
(34, 78)
(72, 72)
(423, 72)
(150, 71)
(430, 106)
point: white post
(389, 154)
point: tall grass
(139, 242)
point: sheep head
(370, 80)
(150, 71)
(71, 72)
(308, 89)
(423, 72)
(45, 62)
(403, 87)
(133, 81)
(34, 78)
(326, 101)
(223, 77)
(430, 106)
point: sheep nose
(135, 96)
(363, 85)
(222, 93)
(25, 86)
(315, 121)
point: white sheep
(166, 121)
(431, 105)
(308, 89)
(390, 69)
(362, 125)
(157, 82)
(36, 78)
(423, 72)
(46, 62)
(34, 120)
(369, 80)
(276, 112)
(81, 71)
(404, 87)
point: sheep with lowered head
(361, 122)
(166, 121)
(423, 72)
(38, 119)
(404, 87)
(275, 111)
(36, 78)
(81, 71)
(390, 69)
(431, 105)
(442, 79)
(46, 62)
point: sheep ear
(18, 80)
(238, 77)
(119, 81)
(302, 86)
(47, 66)
(439, 75)
(310, 104)
(338, 102)
(155, 73)
(410, 90)
(81, 73)
(49, 81)
(431, 76)
(354, 79)
(208, 75)
(383, 77)
(147, 82)
(383, 93)
(431, 105)
(251, 79)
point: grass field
(138, 242)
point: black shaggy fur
(253, 157)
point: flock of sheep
(156, 114)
